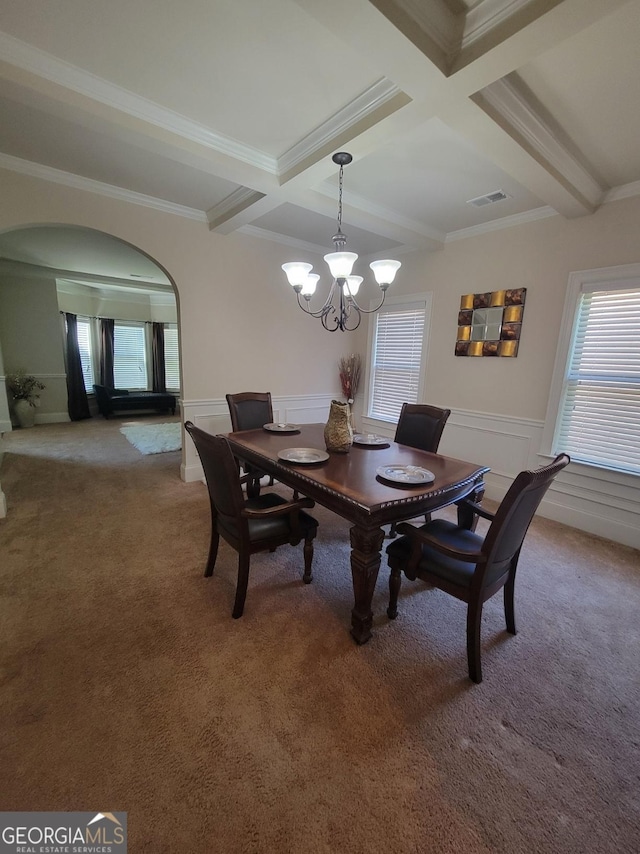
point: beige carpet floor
(126, 685)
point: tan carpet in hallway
(126, 685)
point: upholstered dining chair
(250, 410)
(466, 565)
(249, 525)
(420, 426)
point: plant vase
(338, 432)
(25, 413)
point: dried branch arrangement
(350, 368)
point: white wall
(241, 329)
(499, 405)
(31, 339)
(5, 426)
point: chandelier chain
(340, 199)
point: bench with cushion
(112, 400)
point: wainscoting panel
(595, 500)
(213, 416)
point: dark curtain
(106, 351)
(77, 404)
(157, 357)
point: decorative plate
(371, 440)
(305, 456)
(409, 475)
(281, 428)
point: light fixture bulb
(352, 285)
(385, 271)
(341, 263)
(309, 285)
(297, 272)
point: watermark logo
(63, 833)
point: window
(598, 413)
(171, 357)
(397, 347)
(86, 355)
(130, 356)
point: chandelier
(340, 309)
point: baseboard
(52, 417)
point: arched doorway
(50, 268)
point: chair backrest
(420, 426)
(512, 519)
(220, 471)
(250, 409)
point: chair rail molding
(596, 500)
(213, 416)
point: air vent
(489, 199)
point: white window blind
(171, 356)
(129, 356)
(599, 417)
(396, 360)
(84, 345)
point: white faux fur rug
(154, 438)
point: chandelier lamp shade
(340, 309)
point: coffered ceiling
(228, 112)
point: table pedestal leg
(365, 563)
(466, 517)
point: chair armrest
(278, 510)
(478, 509)
(420, 538)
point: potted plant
(24, 389)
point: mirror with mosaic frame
(489, 324)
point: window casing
(595, 401)
(397, 348)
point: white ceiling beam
(508, 103)
(507, 48)
(98, 104)
(475, 122)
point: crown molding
(487, 16)
(265, 234)
(624, 191)
(78, 182)
(433, 17)
(453, 33)
(520, 116)
(71, 77)
(232, 204)
(500, 224)
(382, 95)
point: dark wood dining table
(348, 484)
